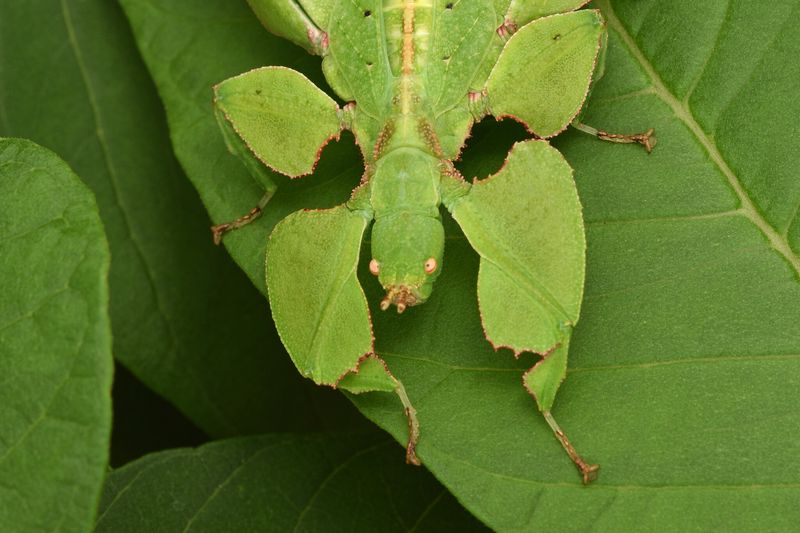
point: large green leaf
(55, 344)
(685, 365)
(279, 483)
(185, 320)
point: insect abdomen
(407, 28)
(406, 179)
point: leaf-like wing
(356, 63)
(525, 222)
(317, 302)
(463, 48)
(543, 75)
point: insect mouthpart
(401, 296)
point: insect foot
(221, 229)
(646, 139)
(413, 424)
(588, 472)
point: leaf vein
(344, 464)
(227, 480)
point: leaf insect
(417, 76)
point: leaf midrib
(682, 111)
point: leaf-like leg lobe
(293, 20)
(314, 292)
(521, 12)
(526, 224)
(282, 118)
(543, 75)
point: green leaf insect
(417, 74)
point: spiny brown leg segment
(646, 139)
(588, 472)
(413, 425)
(221, 229)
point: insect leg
(413, 424)
(646, 139)
(311, 272)
(542, 382)
(543, 75)
(588, 472)
(373, 375)
(525, 223)
(219, 230)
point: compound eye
(374, 267)
(431, 265)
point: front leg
(262, 117)
(320, 309)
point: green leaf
(185, 320)
(55, 344)
(279, 483)
(684, 370)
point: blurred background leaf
(55, 344)
(280, 483)
(185, 320)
